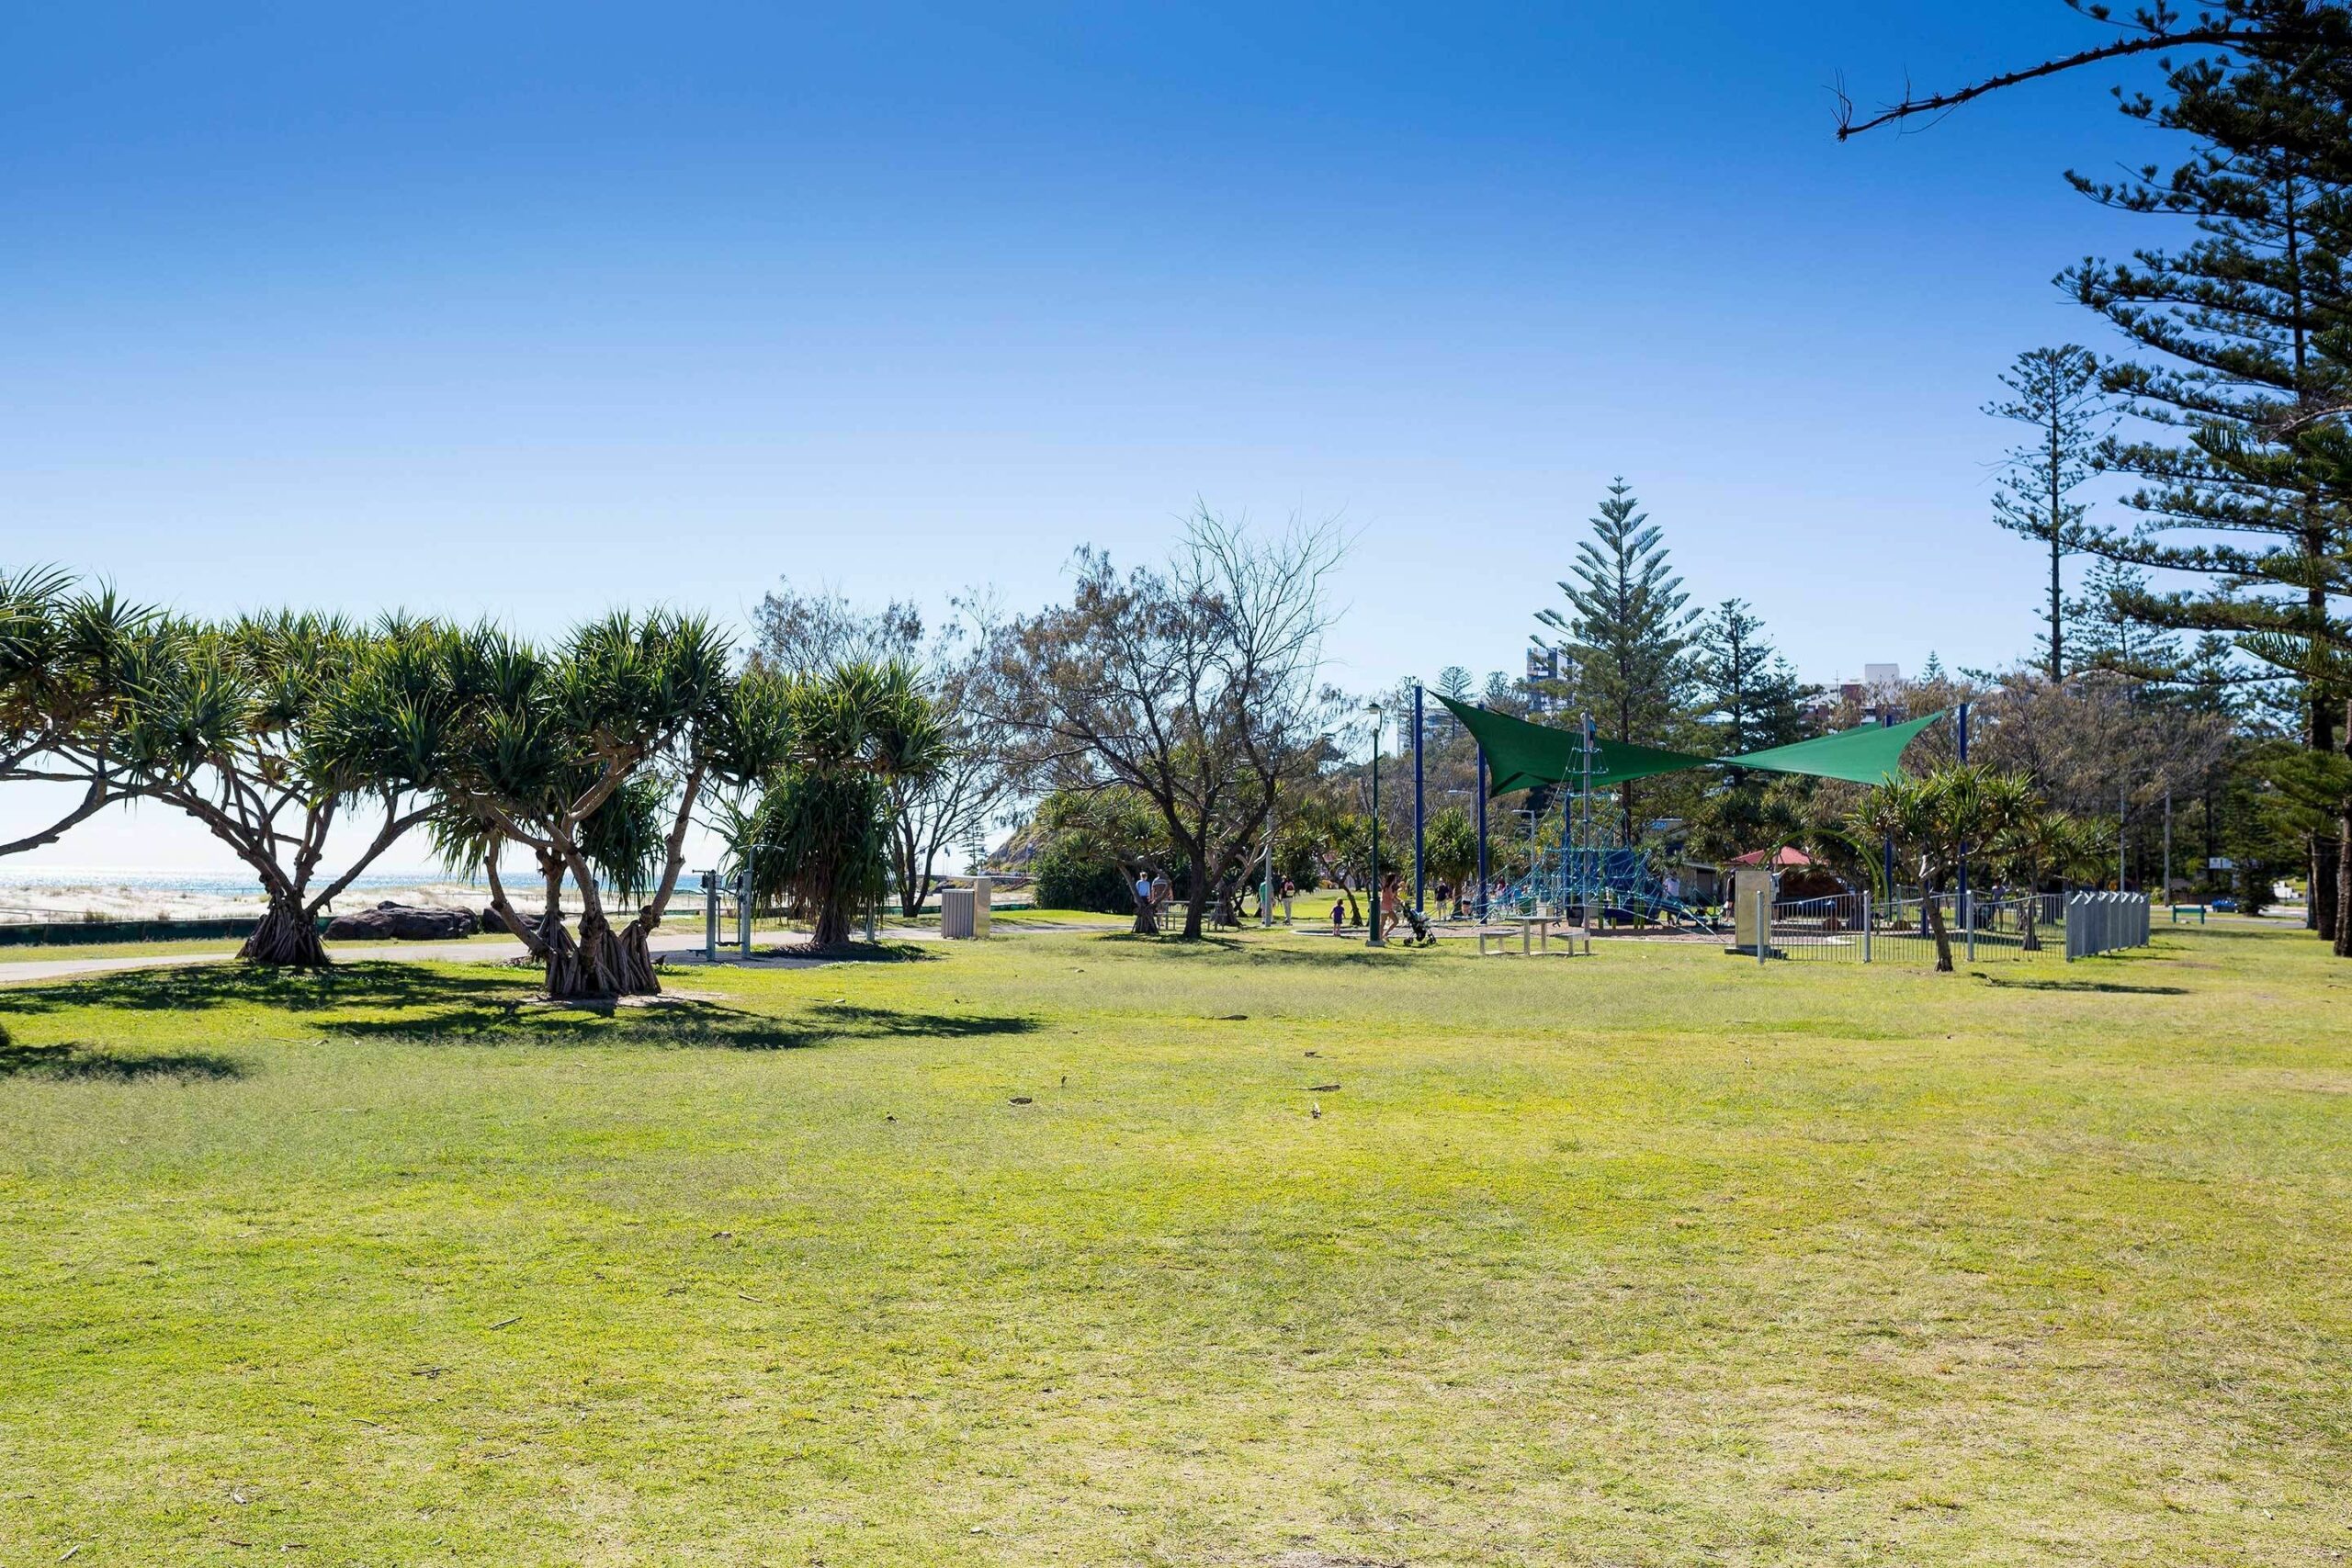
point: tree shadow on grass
(195, 988)
(74, 1062)
(870, 953)
(2116, 986)
(672, 1022)
(1342, 953)
(2231, 931)
(407, 1002)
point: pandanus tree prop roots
(601, 963)
(287, 937)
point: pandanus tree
(2033, 845)
(1934, 820)
(623, 842)
(61, 664)
(594, 759)
(820, 834)
(272, 729)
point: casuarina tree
(1198, 687)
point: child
(1339, 915)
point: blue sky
(527, 310)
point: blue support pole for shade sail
(1480, 906)
(1886, 721)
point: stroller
(1423, 936)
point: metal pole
(2168, 843)
(1420, 820)
(711, 917)
(1374, 941)
(2122, 805)
(1763, 924)
(1866, 926)
(1479, 908)
(1266, 893)
(743, 905)
(1886, 721)
(1965, 914)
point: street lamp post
(1375, 940)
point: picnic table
(1535, 933)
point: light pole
(1420, 822)
(1374, 941)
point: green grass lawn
(1654, 1257)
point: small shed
(1800, 875)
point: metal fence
(2102, 922)
(1859, 928)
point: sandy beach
(33, 899)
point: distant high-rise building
(1543, 666)
(1878, 695)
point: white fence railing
(1861, 927)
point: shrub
(1070, 876)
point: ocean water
(210, 884)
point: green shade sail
(1869, 755)
(1521, 755)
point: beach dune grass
(1080, 1249)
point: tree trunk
(602, 964)
(286, 937)
(1936, 928)
(532, 937)
(2338, 930)
(1198, 862)
(2320, 910)
(834, 920)
(2342, 941)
